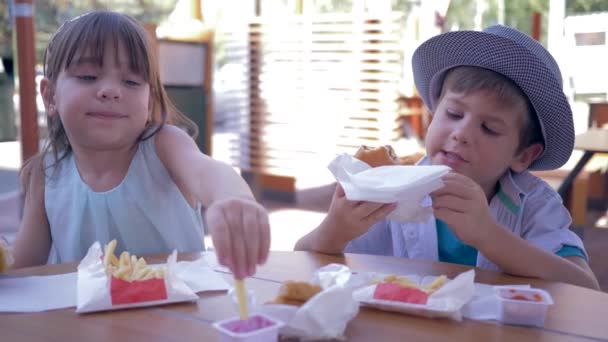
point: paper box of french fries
(427, 296)
(107, 282)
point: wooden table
(578, 314)
(593, 141)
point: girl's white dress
(146, 213)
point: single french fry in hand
(241, 297)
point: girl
(117, 167)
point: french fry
(405, 282)
(128, 267)
(109, 252)
(437, 283)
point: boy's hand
(462, 204)
(347, 220)
(241, 234)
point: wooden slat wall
(319, 86)
(232, 104)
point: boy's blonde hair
(468, 79)
(89, 34)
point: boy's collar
(510, 194)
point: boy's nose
(461, 134)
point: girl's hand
(462, 204)
(347, 220)
(241, 234)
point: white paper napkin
(408, 186)
(41, 293)
(325, 315)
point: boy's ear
(522, 160)
(47, 96)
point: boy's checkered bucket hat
(515, 55)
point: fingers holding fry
(128, 267)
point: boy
(498, 110)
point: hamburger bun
(380, 156)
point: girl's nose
(109, 91)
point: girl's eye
(132, 83)
(87, 77)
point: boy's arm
(322, 239)
(517, 256)
(238, 224)
(346, 220)
(462, 205)
(33, 241)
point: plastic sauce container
(258, 327)
(523, 306)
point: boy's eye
(453, 115)
(488, 130)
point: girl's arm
(33, 242)
(195, 173)
(237, 223)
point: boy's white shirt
(524, 204)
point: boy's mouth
(452, 158)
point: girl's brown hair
(89, 34)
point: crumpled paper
(446, 302)
(325, 315)
(408, 186)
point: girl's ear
(522, 160)
(47, 96)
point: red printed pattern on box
(396, 292)
(125, 292)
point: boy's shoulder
(532, 185)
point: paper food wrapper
(98, 292)
(446, 302)
(325, 315)
(408, 186)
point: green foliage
(517, 13)
(50, 14)
(585, 6)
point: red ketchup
(252, 323)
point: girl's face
(101, 107)
(478, 137)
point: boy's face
(478, 137)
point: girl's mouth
(106, 115)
